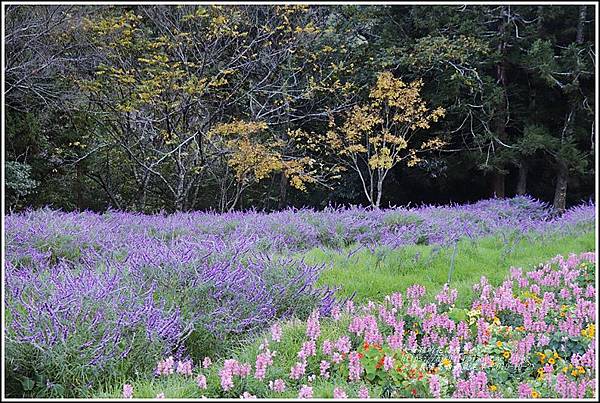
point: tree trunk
(581, 24)
(560, 192)
(283, 186)
(522, 183)
(498, 185)
(379, 193)
(498, 179)
(78, 186)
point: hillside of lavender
(93, 296)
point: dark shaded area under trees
(195, 107)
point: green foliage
(18, 181)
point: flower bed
(91, 295)
(533, 336)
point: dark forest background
(115, 106)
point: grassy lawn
(375, 275)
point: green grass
(374, 275)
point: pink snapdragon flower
(201, 381)
(184, 367)
(338, 393)
(127, 391)
(298, 370)
(363, 392)
(306, 392)
(165, 367)
(313, 328)
(278, 385)
(276, 332)
(323, 367)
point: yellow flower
(555, 355)
(446, 362)
(574, 372)
(551, 360)
(506, 354)
(580, 370)
(496, 321)
(565, 369)
(493, 388)
(499, 343)
(535, 394)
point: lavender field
(96, 300)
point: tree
(377, 136)
(252, 158)
(18, 181)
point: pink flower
(338, 393)
(396, 299)
(263, 360)
(388, 363)
(306, 392)
(276, 332)
(324, 366)
(434, 386)
(313, 328)
(309, 348)
(327, 347)
(243, 370)
(363, 392)
(207, 362)
(350, 306)
(337, 358)
(447, 296)
(247, 395)
(395, 340)
(524, 391)
(298, 370)
(415, 291)
(354, 367)
(343, 344)
(165, 367)
(336, 313)
(161, 395)
(127, 391)
(201, 381)
(230, 368)
(278, 385)
(184, 367)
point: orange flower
(366, 346)
(380, 363)
(360, 355)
